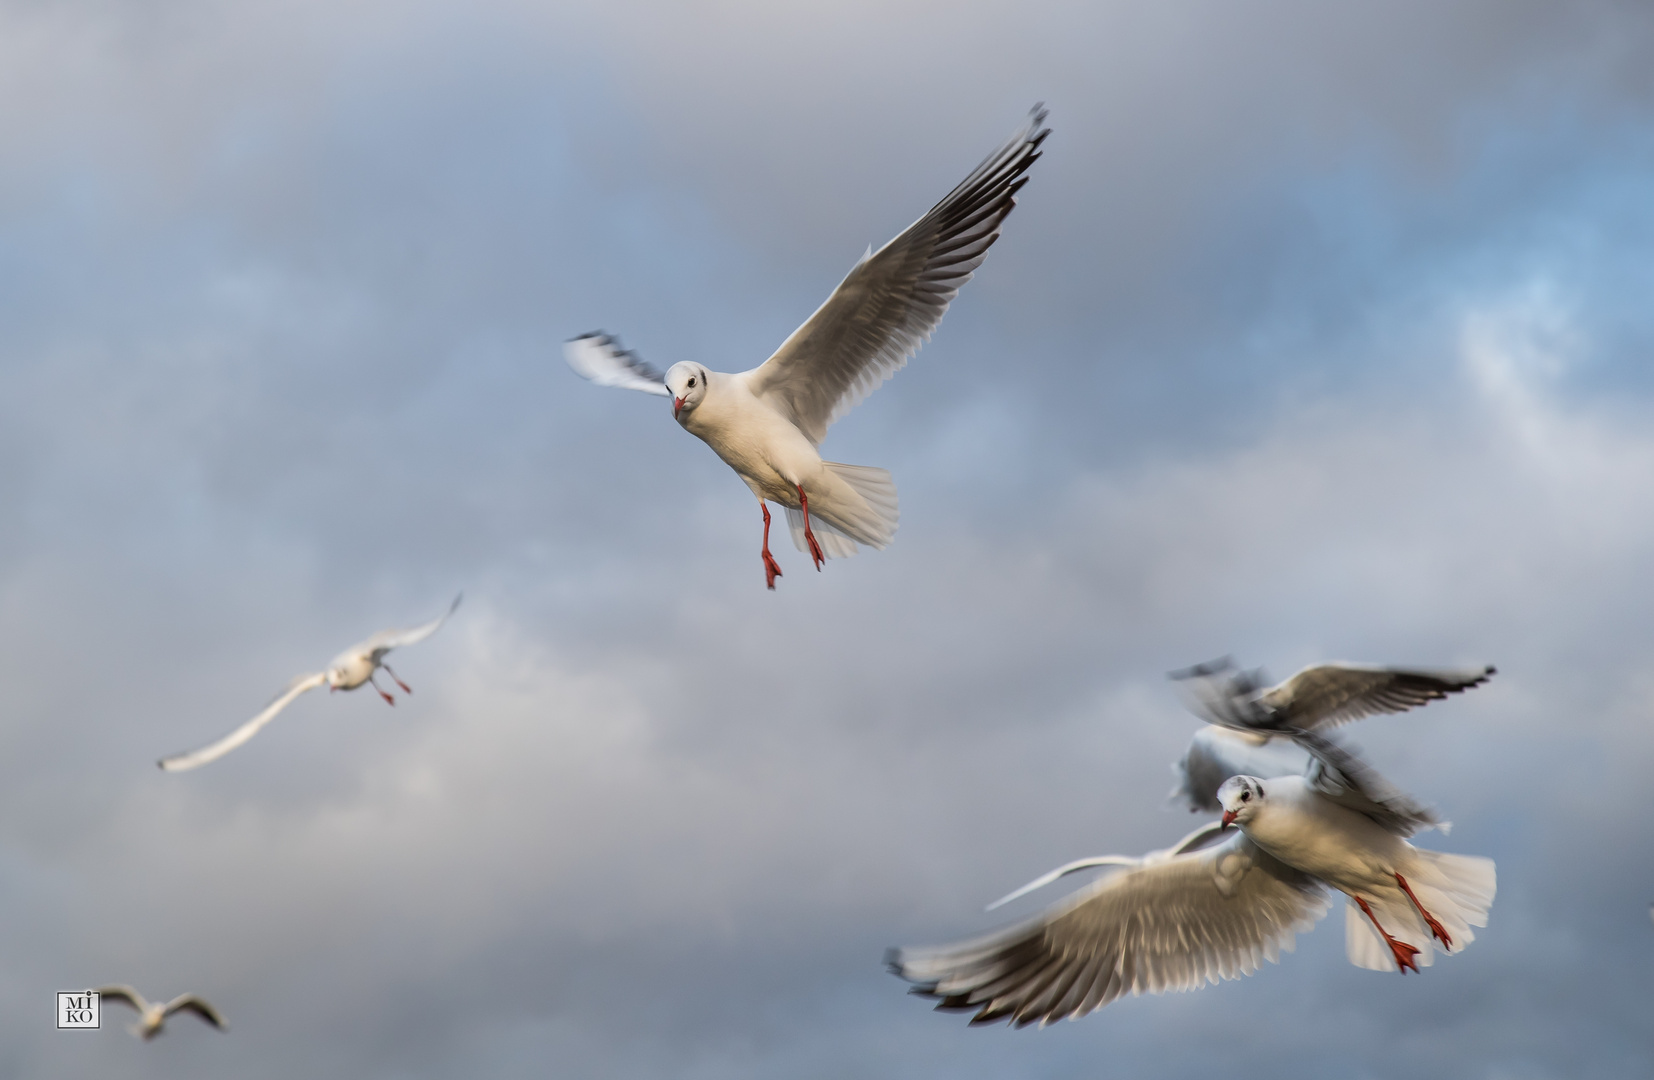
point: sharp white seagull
(352, 668)
(767, 423)
(1250, 723)
(152, 1016)
(1217, 907)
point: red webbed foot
(1437, 930)
(772, 569)
(1402, 951)
(810, 537)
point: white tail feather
(1456, 889)
(863, 511)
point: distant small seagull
(767, 423)
(1247, 733)
(349, 670)
(1209, 910)
(152, 1016)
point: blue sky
(1321, 331)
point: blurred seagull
(1250, 725)
(152, 1016)
(767, 423)
(349, 670)
(1216, 910)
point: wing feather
(196, 758)
(386, 640)
(1327, 695)
(197, 1005)
(1166, 925)
(600, 358)
(892, 300)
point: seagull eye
(691, 380)
(1246, 796)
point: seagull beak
(1228, 818)
(677, 403)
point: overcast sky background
(1321, 331)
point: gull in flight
(152, 1016)
(350, 669)
(1250, 725)
(767, 423)
(1218, 905)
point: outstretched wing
(1340, 774)
(600, 358)
(890, 302)
(122, 992)
(1212, 914)
(386, 640)
(197, 1005)
(1196, 840)
(197, 758)
(1327, 695)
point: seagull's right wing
(124, 993)
(197, 1005)
(197, 758)
(1211, 914)
(1196, 840)
(600, 358)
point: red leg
(406, 689)
(772, 569)
(815, 548)
(1436, 928)
(388, 699)
(1402, 951)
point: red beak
(677, 403)
(1228, 818)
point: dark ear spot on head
(1260, 791)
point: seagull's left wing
(1196, 840)
(1327, 695)
(386, 640)
(1340, 774)
(197, 1005)
(600, 358)
(890, 302)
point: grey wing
(1222, 694)
(1212, 914)
(891, 301)
(386, 640)
(210, 753)
(600, 358)
(1194, 841)
(197, 1005)
(1327, 695)
(1338, 773)
(122, 992)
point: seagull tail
(863, 510)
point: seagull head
(1240, 797)
(687, 382)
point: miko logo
(77, 1009)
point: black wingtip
(1201, 671)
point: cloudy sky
(1320, 331)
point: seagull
(1250, 726)
(349, 670)
(767, 423)
(152, 1016)
(1216, 907)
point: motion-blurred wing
(197, 758)
(386, 640)
(197, 1005)
(600, 358)
(123, 993)
(1213, 914)
(890, 302)
(1192, 842)
(1216, 753)
(1327, 695)
(1338, 773)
